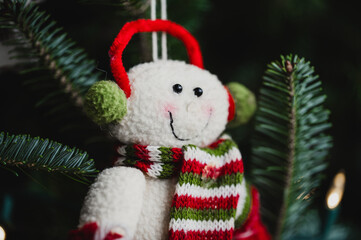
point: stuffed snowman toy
(175, 176)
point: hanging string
(164, 35)
(153, 12)
(153, 16)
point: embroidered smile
(184, 139)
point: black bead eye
(198, 91)
(177, 88)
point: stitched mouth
(175, 135)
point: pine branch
(43, 45)
(26, 153)
(290, 143)
(131, 7)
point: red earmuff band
(142, 25)
(232, 106)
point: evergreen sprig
(42, 45)
(26, 153)
(290, 143)
(131, 7)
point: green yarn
(105, 102)
(245, 102)
(166, 154)
(207, 214)
(199, 180)
(218, 151)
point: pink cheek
(168, 108)
(207, 110)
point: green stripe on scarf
(203, 215)
(166, 154)
(196, 167)
(198, 180)
(222, 148)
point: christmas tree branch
(37, 40)
(133, 8)
(26, 153)
(290, 143)
(291, 147)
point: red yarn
(141, 151)
(253, 229)
(200, 235)
(194, 166)
(113, 236)
(143, 25)
(177, 154)
(87, 232)
(216, 143)
(144, 166)
(200, 203)
(232, 107)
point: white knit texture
(115, 200)
(217, 161)
(196, 225)
(154, 153)
(155, 170)
(155, 215)
(197, 191)
(199, 119)
(242, 198)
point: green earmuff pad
(245, 104)
(105, 102)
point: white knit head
(158, 115)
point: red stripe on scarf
(177, 154)
(193, 166)
(186, 201)
(144, 166)
(141, 152)
(200, 235)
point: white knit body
(123, 199)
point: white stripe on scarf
(198, 191)
(195, 153)
(197, 225)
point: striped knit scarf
(209, 182)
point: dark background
(238, 39)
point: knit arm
(114, 202)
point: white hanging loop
(153, 16)
(164, 35)
(153, 13)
